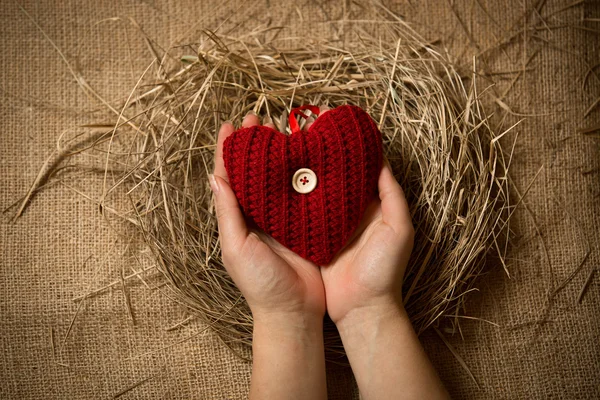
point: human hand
(284, 291)
(364, 298)
(273, 279)
(366, 276)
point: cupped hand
(368, 272)
(273, 279)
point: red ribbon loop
(294, 126)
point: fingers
(232, 225)
(250, 120)
(311, 120)
(268, 121)
(226, 130)
(394, 207)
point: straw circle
(441, 145)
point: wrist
(364, 320)
(288, 356)
(296, 313)
(386, 356)
(288, 325)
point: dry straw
(440, 143)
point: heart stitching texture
(342, 149)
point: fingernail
(251, 112)
(267, 120)
(227, 122)
(214, 185)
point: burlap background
(58, 249)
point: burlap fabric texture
(545, 72)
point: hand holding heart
(367, 272)
(360, 286)
(366, 276)
(272, 278)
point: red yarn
(343, 148)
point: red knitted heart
(343, 148)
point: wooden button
(304, 180)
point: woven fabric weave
(343, 147)
(62, 247)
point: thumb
(232, 225)
(394, 207)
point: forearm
(289, 358)
(386, 356)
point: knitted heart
(342, 150)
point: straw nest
(436, 135)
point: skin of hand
(369, 270)
(284, 291)
(363, 286)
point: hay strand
(436, 135)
